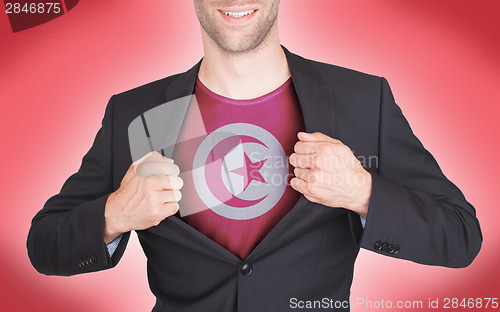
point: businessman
(262, 193)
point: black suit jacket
(415, 212)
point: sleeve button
(396, 249)
(390, 249)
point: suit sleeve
(415, 212)
(67, 236)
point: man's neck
(244, 76)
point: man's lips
(237, 15)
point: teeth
(239, 14)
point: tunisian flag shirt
(233, 159)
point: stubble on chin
(244, 44)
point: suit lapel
(183, 84)
(317, 104)
(316, 98)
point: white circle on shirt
(226, 185)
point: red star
(250, 171)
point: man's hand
(148, 193)
(327, 172)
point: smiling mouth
(239, 14)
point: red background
(440, 57)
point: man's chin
(241, 47)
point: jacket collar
(315, 96)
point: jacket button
(384, 246)
(93, 260)
(395, 249)
(390, 249)
(83, 263)
(378, 245)
(246, 269)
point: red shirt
(233, 156)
